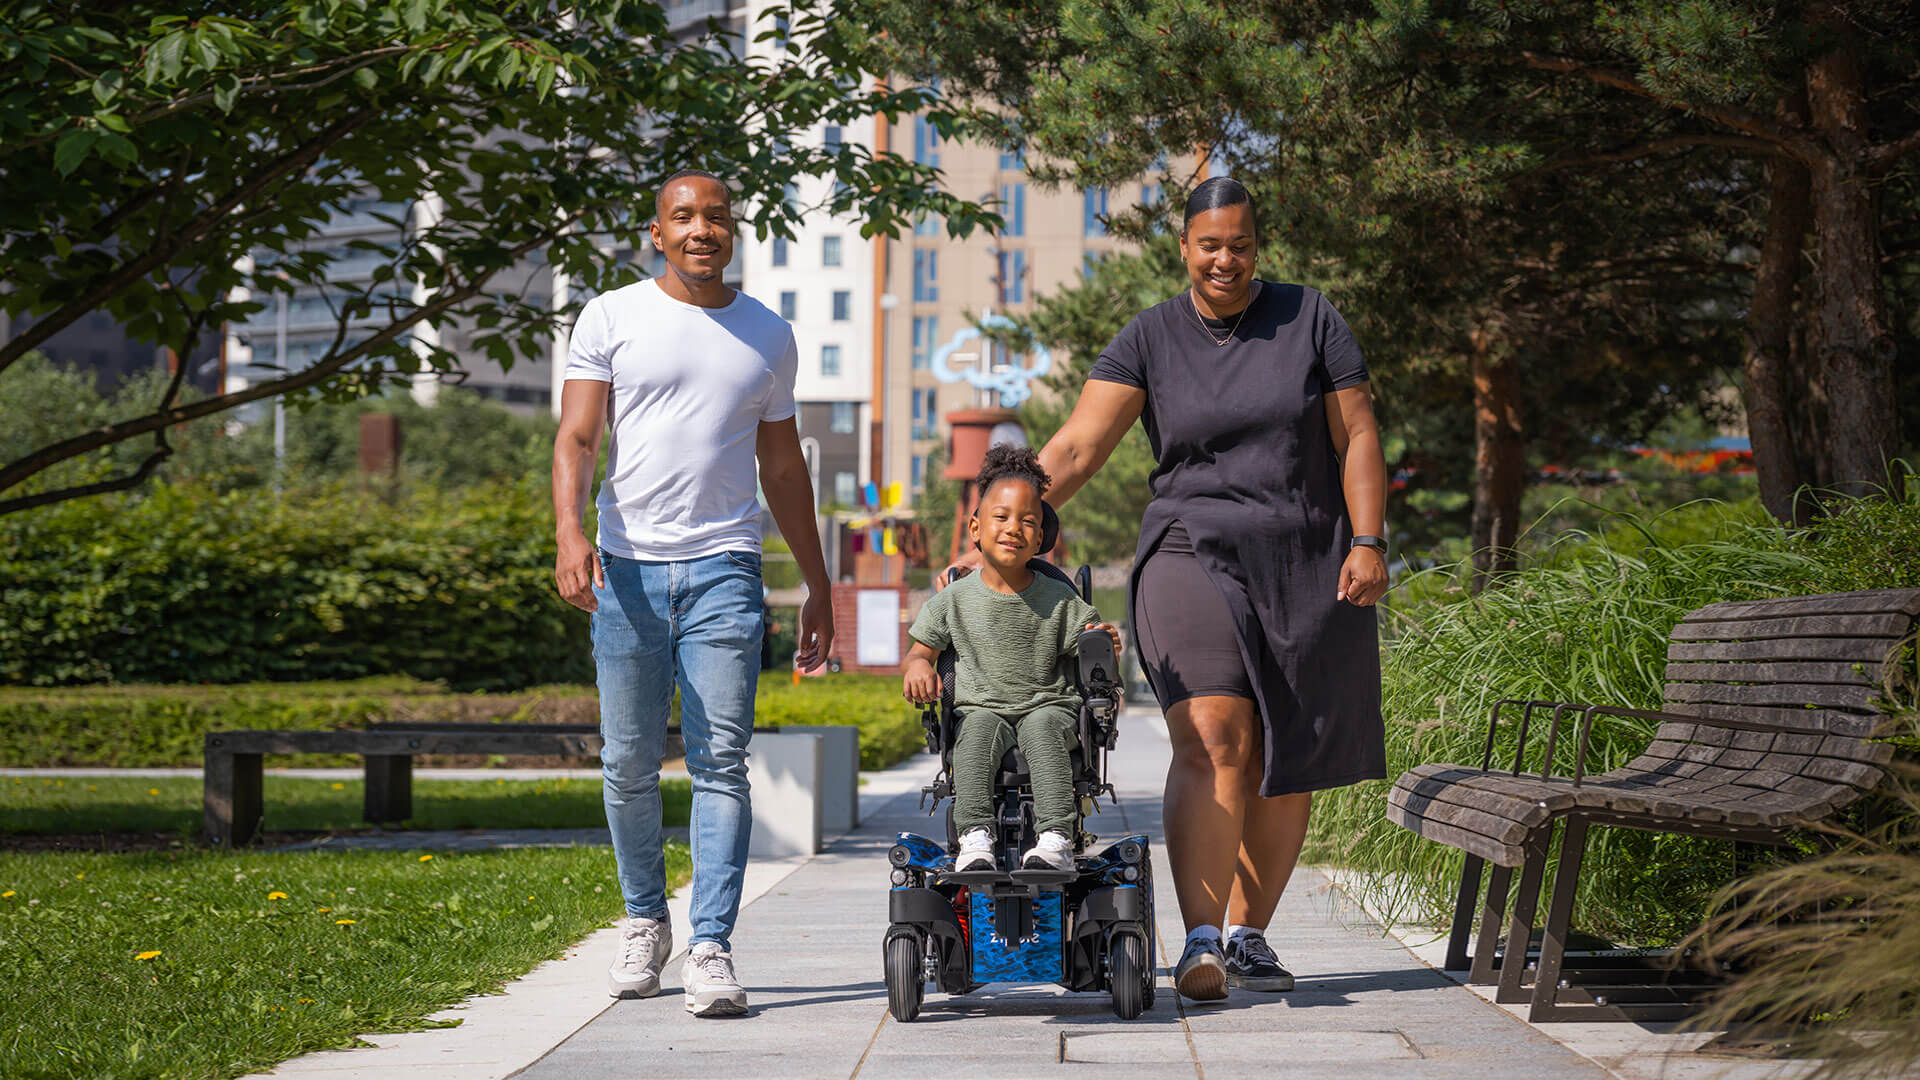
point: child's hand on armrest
(920, 683)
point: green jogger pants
(1046, 736)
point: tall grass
(1833, 939)
(1586, 621)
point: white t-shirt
(691, 386)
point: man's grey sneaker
(1052, 851)
(644, 947)
(711, 988)
(1202, 974)
(1251, 964)
(976, 851)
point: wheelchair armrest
(1099, 667)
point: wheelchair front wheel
(1128, 974)
(906, 984)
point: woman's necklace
(1218, 343)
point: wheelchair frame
(1089, 929)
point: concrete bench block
(785, 769)
(839, 777)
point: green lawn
(172, 804)
(212, 964)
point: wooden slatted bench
(1768, 725)
(825, 777)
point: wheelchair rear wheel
(1127, 970)
(906, 983)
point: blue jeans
(696, 624)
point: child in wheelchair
(1012, 631)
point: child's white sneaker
(1052, 851)
(976, 851)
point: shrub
(134, 726)
(1589, 622)
(189, 584)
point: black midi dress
(1246, 464)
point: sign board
(877, 616)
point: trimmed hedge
(186, 585)
(133, 726)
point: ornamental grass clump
(1586, 621)
(1830, 947)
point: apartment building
(942, 284)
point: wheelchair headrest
(1049, 527)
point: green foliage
(172, 804)
(199, 156)
(1588, 623)
(889, 727)
(135, 726)
(1834, 940)
(936, 508)
(362, 941)
(187, 584)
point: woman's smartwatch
(1378, 544)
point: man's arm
(789, 491)
(576, 450)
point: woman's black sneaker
(1201, 974)
(1251, 964)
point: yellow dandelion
(4, 895)
(77, 877)
(148, 955)
(306, 1001)
(343, 922)
(153, 791)
(529, 897)
(276, 896)
(324, 910)
(426, 858)
(339, 787)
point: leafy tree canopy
(161, 158)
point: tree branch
(48, 456)
(1756, 147)
(132, 480)
(1788, 138)
(157, 256)
(1883, 155)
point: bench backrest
(1810, 669)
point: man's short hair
(660, 193)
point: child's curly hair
(1008, 462)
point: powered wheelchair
(1087, 929)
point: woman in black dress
(1259, 562)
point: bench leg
(389, 788)
(1463, 913)
(1553, 942)
(1485, 968)
(1513, 966)
(230, 797)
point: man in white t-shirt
(695, 381)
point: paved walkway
(808, 949)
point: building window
(919, 472)
(1014, 160)
(1151, 194)
(842, 305)
(1089, 260)
(832, 139)
(843, 418)
(926, 225)
(829, 360)
(1013, 276)
(926, 412)
(1094, 212)
(789, 305)
(926, 337)
(779, 251)
(829, 251)
(926, 142)
(845, 491)
(1013, 207)
(926, 276)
